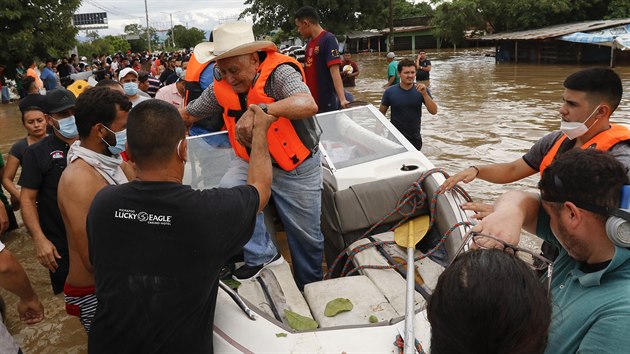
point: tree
(139, 45)
(119, 44)
(451, 20)
(186, 37)
(93, 35)
(405, 9)
(36, 28)
(338, 16)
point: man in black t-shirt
(157, 247)
(42, 166)
(423, 66)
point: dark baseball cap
(143, 76)
(59, 100)
(31, 101)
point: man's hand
(262, 121)
(46, 253)
(513, 211)
(31, 311)
(495, 224)
(245, 126)
(343, 103)
(15, 203)
(422, 88)
(187, 118)
(468, 175)
(481, 209)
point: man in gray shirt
(590, 98)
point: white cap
(391, 55)
(126, 71)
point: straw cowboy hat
(231, 40)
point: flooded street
(487, 113)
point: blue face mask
(178, 71)
(67, 127)
(121, 140)
(131, 88)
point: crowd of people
(102, 171)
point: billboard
(91, 20)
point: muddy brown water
(487, 113)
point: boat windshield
(208, 158)
(357, 135)
(349, 137)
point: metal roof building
(561, 44)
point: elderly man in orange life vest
(252, 72)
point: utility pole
(172, 32)
(172, 29)
(391, 26)
(146, 11)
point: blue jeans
(297, 197)
(5, 94)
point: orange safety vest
(603, 141)
(285, 146)
(193, 75)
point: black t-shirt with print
(42, 165)
(157, 249)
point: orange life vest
(603, 141)
(285, 146)
(193, 75)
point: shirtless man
(93, 163)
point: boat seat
(366, 299)
(280, 285)
(391, 283)
(346, 214)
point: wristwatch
(263, 107)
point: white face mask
(575, 130)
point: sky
(203, 14)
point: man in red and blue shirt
(322, 61)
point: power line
(101, 7)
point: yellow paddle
(408, 235)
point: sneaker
(246, 272)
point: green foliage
(119, 44)
(453, 18)
(405, 9)
(186, 37)
(139, 45)
(36, 28)
(107, 45)
(338, 305)
(618, 9)
(338, 16)
(234, 284)
(299, 322)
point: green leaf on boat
(336, 306)
(373, 319)
(299, 322)
(281, 335)
(234, 284)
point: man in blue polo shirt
(48, 76)
(406, 99)
(590, 286)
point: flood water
(487, 113)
